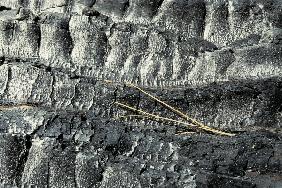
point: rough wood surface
(217, 60)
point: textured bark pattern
(218, 60)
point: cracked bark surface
(217, 60)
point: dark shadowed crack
(3, 8)
(9, 77)
(22, 159)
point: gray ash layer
(217, 60)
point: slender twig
(176, 111)
(171, 120)
(181, 114)
(185, 132)
(151, 116)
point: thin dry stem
(152, 116)
(184, 133)
(183, 115)
(176, 111)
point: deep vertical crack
(39, 35)
(157, 7)
(9, 78)
(126, 7)
(159, 4)
(52, 93)
(2, 60)
(22, 160)
(204, 16)
(70, 42)
(48, 174)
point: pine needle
(152, 116)
(181, 114)
(185, 133)
(195, 123)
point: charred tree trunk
(217, 60)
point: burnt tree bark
(217, 60)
